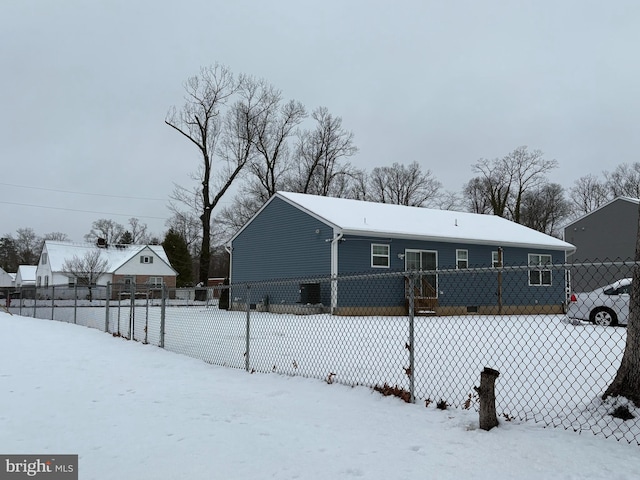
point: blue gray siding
(281, 242)
(455, 288)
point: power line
(84, 193)
(82, 211)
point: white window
(72, 282)
(539, 273)
(155, 282)
(46, 280)
(495, 259)
(146, 259)
(39, 281)
(43, 259)
(462, 259)
(379, 255)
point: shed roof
(27, 272)
(356, 217)
(116, 256)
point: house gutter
(334, 269)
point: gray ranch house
(455, 256)
(604, 235)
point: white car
(604, 306)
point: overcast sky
(85, 87)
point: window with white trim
(539, 273)
(72, 282)
(146, 259)
(462, 259)
(495, 259)
(379, 255)
(43, 258)
(155, 282)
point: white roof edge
(581, 217)
(567, 247)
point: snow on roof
(356, 217)
(116, 256)
(27, 272)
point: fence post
(411, 338)
(106, 310)
(499, 280)
(35, 301)
(246, 352)
(146, 317)
(53, 303)
(132, 310)
(163, 308)
(75, 302)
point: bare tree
(449, 201)
(199, 121)
(29, 246)
(545, 208)
(273, 126)
(87, 269)
(138, 231)
(627, 380)
(319, 152)
(587, 194)
(504, 181)
(56, 236)
(403, 185)
(359, 188)
(477, 196)
(105, 229)
(624, 181)
(188, 227)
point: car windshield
(624, 289)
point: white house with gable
(6, 280)
(146, 265)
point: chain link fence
(422, 336)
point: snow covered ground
(131, 410)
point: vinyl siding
(282, 242)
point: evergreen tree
(178, 252)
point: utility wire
(82, 211)
(84, 193)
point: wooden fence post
(487, 393)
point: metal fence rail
(424, 336)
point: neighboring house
(296, 235)
(6, 280)
(127, 265)
(26, 276)
(607, 234)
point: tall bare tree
(477, 194)
(273, 126)
(545, 208)
(200, 121)
(624, 181)
(504, 181)
(138, 231)
(105, 229)
(403, 185)
(29, 246)
(319, 152)
(587, 194)
(627, 380)
(86, 269)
